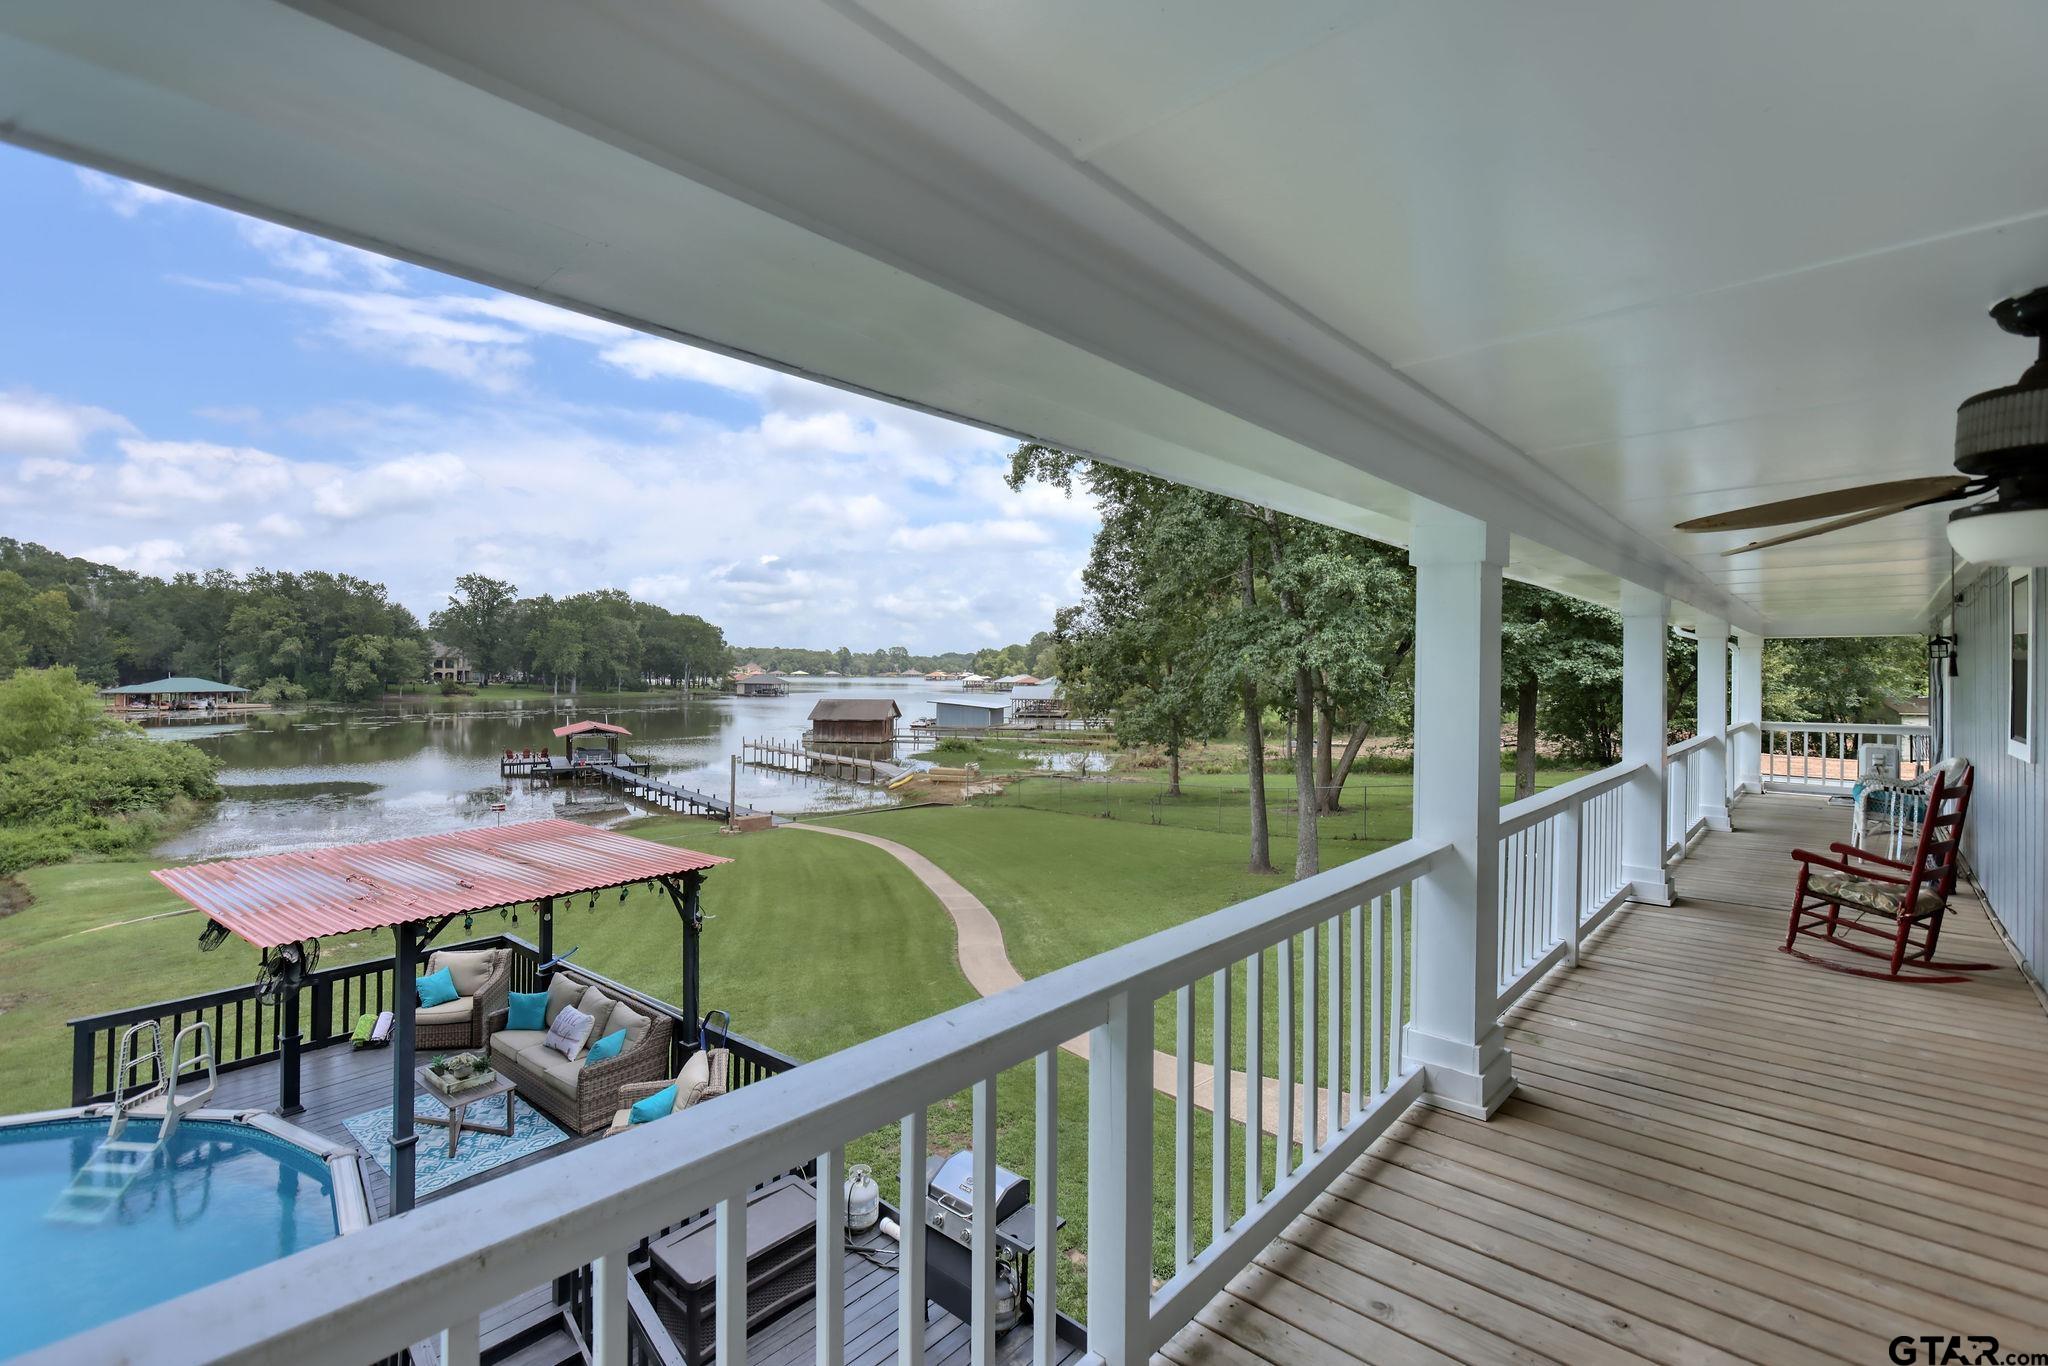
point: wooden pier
(632, 778)
(791, 756)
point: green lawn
(815, 944)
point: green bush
(104, 797)
(278, 690)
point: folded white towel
(383, 1029)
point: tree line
(288, 635)
(1038, 657)
(1204, 617)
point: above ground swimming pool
(226, 1193)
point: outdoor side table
(458, 1103)
(782, 1266)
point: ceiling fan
(2001, 450)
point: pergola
(606, 735)
(416, 887)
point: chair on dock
(1886, 898)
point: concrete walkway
(985, 962)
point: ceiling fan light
(1999, 534)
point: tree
(480, 621)
(1841, 678)
(43, 709)
(37, 624)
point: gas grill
(950, 1234)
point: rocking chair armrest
(1852, 851)
(1842, 866)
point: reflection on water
(325, 775)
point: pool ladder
(117, 1163)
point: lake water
(327, 775)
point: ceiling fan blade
(1897, 493)
(1825, 527)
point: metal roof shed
(416, 886)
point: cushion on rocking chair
(1883, 897)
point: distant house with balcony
(446, 664)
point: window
(2020, 683)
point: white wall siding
(2007, 837)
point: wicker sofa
(483, 977)
(578, 1095)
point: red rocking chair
(1851, 891)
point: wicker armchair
(462, 1022)
(587, 1103)
(721, 1073)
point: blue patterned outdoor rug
(532, 1132)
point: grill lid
(954, 1184)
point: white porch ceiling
(1587, 269)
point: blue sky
(183, 388)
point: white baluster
(608, 1310)
(1397, 984)
(831, 1273)
(460, 1343)
(1184, 1127)
(1283, 1157)
(1219, 1105)
(1255, 1079)
(1379, 972)
(1565, 872)
(1356, 1006)
(1311, 944)
(1120, 1184)
(910, 1252)
(982, 1257)
(730, 1264)
(1334, 1046)
(1045, 1266)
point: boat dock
(789, 756)
(632, 778)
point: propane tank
(1009, 1297)
(863, 1199)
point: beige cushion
(446, 1013)
(1885, 898)
(559, 1073)
(632, 1021)
(470, 968)
(598, 1007)
(694, 1080)
(563, 990)
(515, 1043)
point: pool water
(222, 1198)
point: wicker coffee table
(458, 1103)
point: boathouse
(854, 721)
(971, 713)
(173, 693)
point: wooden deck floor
(1716, 1153)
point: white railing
(1684, 801)
(1560, 875)
(1812, 756)
(435, 1270)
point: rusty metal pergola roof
(281, 899)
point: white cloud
(668, 590)
(31, 424)
(162, 558)
(645, 357)
(221, 541)
(396, 485)
(427, 333)
(279, 527)
(159, 472)
(861, 512)
(969, 535)
(125, 197)
(42, 469)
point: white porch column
(1644, 629)
(1454, 1031)
(1712, 633)
(1747, 703)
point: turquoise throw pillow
(438, 988)
(528, 1010)
(662, 1102)
(610, 1046)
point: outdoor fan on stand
(2001, 450)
